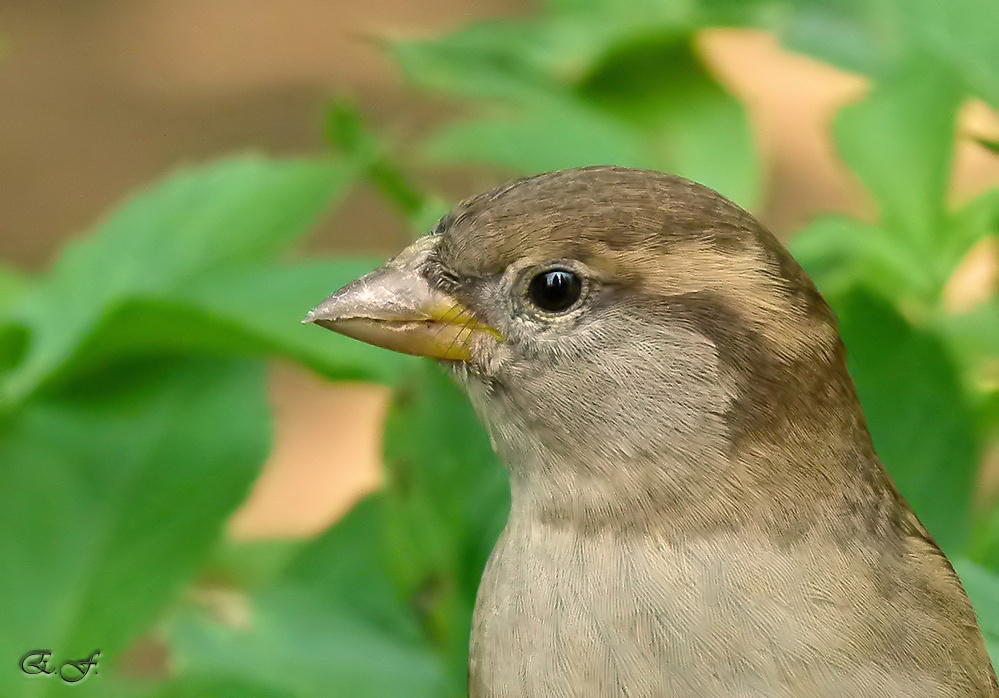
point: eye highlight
(555, 290)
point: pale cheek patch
(743, 279)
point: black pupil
(555, 290)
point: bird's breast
(565, 614)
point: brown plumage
(697, 506)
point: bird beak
(395, 307)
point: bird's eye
(555, 290)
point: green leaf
(988, 419)
(13, 337)
(960, 33)
(294, 645)
(105, 685)
(215, 687)
(483, 61)
(111, 496)
(550, 134)
(348, 566)
(900, 142)
(984, 546)
(579, 37)
(13, 347)
(248, 311)
(874, 37)
(839, 252)
(519, 61)
(194, 224)
(251, 564)
(604, 83)
(918, 415)
(973, 337)
(337, 597)
(648, 104)
(977, 220)
(409, 560)
(693, 126)
(348, 135)
(269, 303)
(436, 448)
(733, 13)
(12, 284)
(406, 563)
(983, 589)
(447, 500)
(980, 215)
(861, 36)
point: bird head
(605, 315)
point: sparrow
(697, 507)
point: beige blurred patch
(988, 481)
(327, 454)
(792, 101)
(976, 168)
(186, 48)
(976, 278)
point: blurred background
(199, 450)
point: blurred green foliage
(133, 412)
